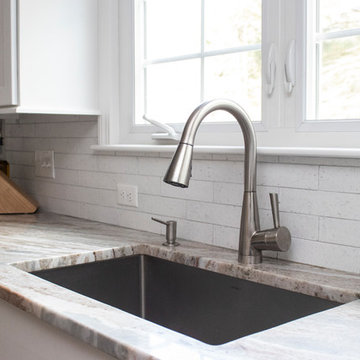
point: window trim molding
(313, 152)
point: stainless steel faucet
(252, 240)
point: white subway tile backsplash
(138, 220)
(83, 195)
(124, 165)
(106, 197)
(224, 171)
(197, 190)
(29, 144)
(84, 146)
(101, 180)
(60, 206)
(321, 203)
(228, 193)
(146, 184)
(79, 129)
(54, 118)
(51, 189)
(95, 179)
(18, 171)
(266, 219)
(232, 194)
(19, 130)
(64, 176)
(75, 162)
(286, 175)
(60, 145)
(325, 255)
(340, 179)
(226, 215)
(300, 225)
(152, 166)
(101, 213)
(20, 157)
(192, 230)
(162, 205)
(14, 144)
(319, 197)
(227, 237)
(346, 232)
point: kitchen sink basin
(207, 306)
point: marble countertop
(43, 241)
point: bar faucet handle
(274, 201)
(276, 239)
(170, 231)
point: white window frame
(282, 127)
(303, 123)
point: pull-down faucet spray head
(179, 171)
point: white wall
(319, 198)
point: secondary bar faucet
(252, 240)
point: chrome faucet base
(171, 244)
(250, 259)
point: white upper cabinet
(55, 56)
(8, 70)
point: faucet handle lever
(170, 231)
(274, 201)
(276, 239)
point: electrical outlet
(44, 164)
(127, 195)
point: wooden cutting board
(13, 200)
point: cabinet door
(8, 57)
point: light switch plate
(44, 164)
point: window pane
(172, 27)
(237, 77)
(173, 90)
(180, 28)
(335, 15)
(339, 79)
(232, 23)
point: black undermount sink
(207, 306)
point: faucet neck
(247, 129)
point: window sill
(201, 149)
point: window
(292, 64)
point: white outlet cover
(127, 195)
(44, 164)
